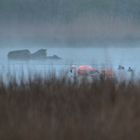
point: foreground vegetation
(57, 109)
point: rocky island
(27, 55)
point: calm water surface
(103, 56)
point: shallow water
(97, 56)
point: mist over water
(92, 32)
(97, 41)
(98, 56)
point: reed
(58, 109)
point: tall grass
(58, 109)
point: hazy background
(69, 21)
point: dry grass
(57, 109)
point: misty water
(97, 56)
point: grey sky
(69, 21)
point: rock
(130, 69)
(19, 54)
(54, 57)
(27, 55)
(40, 54)
(120, 67)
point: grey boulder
(55, 57)
(19, 54)
(27, 55)
(40, 54)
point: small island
(27, 55)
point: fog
(79, 31)
(92, 32)
(67, 22)
(103, 57)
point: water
(98, 56)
